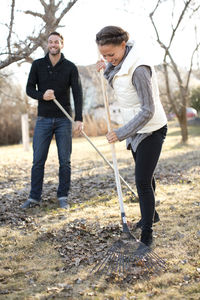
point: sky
(87, 17)
(93, 16)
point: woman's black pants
(146, 158)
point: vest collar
(130, 59)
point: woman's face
(113, 53)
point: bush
(195, 98)
(10, 124)
(95, 127)
(13, 102)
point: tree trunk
(183, 113)
(25, 131)
(182, 118)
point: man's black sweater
(60, 78)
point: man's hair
(58, 34)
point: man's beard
(55, 53)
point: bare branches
(191, 64)
(179, 107)
(11, 26)
(22, 50)
(34, 14)
(69, 6)
(49, 17)
(153, 12)
(179, 21)
(18, 55)
(174, 29)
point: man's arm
(31, 86)
(77, 94)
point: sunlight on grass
(31, 264)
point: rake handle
(116, 171)
(89, 140)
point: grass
(32, 244)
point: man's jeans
(44, 130)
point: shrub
(195, 98)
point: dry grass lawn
(34, 263)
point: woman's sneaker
(147, 237)
(156, 219)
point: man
(52, 77)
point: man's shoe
(147, 237)
(30, 203)
(156, 217)
(63, 202)
(155, 220)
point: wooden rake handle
(91, 143)
(114, 158)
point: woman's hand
(111, 137)
(100, 64)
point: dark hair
(58, 34)
(111, 35)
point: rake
(91, 143)
(127, 253)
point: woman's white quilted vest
(127, 96)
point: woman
(133, 79)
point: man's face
(55, 44)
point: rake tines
(127, 255)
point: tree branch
(22, 50)
(178, 22)
(34, 14)
(11, 26)
(69, 6)
(191, 65)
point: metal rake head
(128, 255)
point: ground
(48, 253)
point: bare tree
(13, 102)
(21, 50)
(179, 103)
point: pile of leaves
(81, 242)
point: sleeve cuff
(119, 134)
